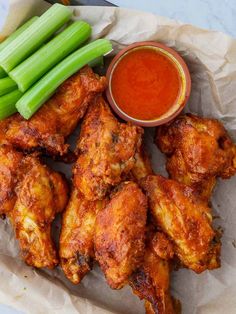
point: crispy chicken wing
(10, 161)
(162, 246)
(77, 233)
(152, 280)
(198, 151)
(57, 118)
(106, 150)
(142, 166)
(120, 234)
(186, 219)
(40, 195)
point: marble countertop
(212, 14)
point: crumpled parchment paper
(211, 57)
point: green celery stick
(34, 36)
(33, 99)
(8, 102)
(17, 32)
(6, 85)
(33, 68)
(2, 73)
(14, 35)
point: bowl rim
(178, 59)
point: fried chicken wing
(10, 161)
(48, 129)
(77, 233)
(40, 195)
(198, 151)
(142, 166)
(120, 234)
(152, 280)
(162, 246)
(186, 219)
(106, 151)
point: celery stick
(14, 35)
(17, 32)
(34, 36)
(2, 73)
(6, 85)
(32, 100)
(7, 103)
(33, 68)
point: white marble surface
(3, 11)
(212, 14)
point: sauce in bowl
(147, 84)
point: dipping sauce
(145, 83)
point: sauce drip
(145, 84)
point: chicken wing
(198, 151)
(10, 161)
(120, 234)
(57, 118)
(186, 219)
(106, 151)
(40, 195)
(142, 166)
(152, 280)
(77, 233)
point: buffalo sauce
(145, 83)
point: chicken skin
(40, 195)
(106, 151)
(152, 280)
(186, 219)
(198, 150)
(48, 129)
(77, 233)
(10, 161)
(142, 166)
(120, 234)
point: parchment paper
(211, 57)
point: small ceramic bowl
(182, 98)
